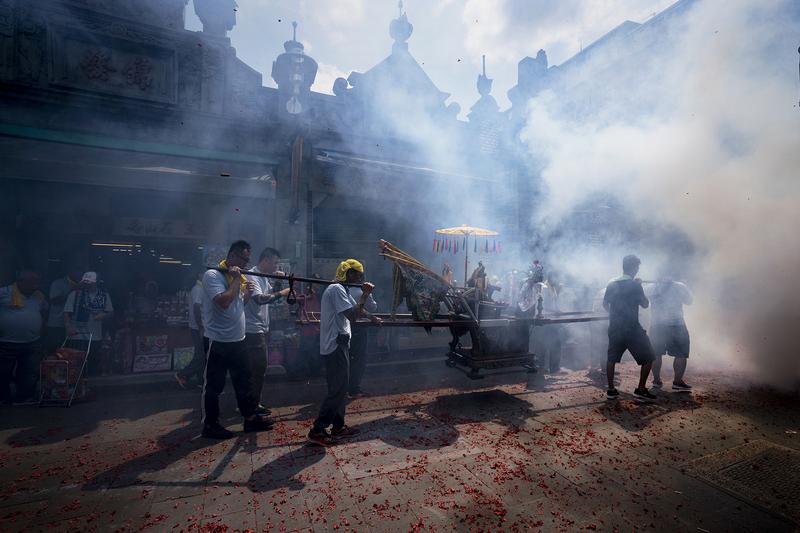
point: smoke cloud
(700, 133)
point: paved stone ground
(438, 452)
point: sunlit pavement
(437, 452)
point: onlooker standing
(338, 309)
(85, 311)
(547, 341)
(196, 367)
(553, 335)
(624, 295)
(224, 298)
(22, 309)
(256, 313)
(59, 290)
(358, 346)
(668, 330)
(598, 340)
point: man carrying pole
(226, 293)
(624, 295)
(256, 313)
(337, 310)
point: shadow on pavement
(633, 415)
(424, 427)
(88, 417)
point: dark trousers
(358, 359)
(198, 363)
(19, 361)
(256, 344)
(54, 338)
(551, 341)
(337, 367)
(224, 357)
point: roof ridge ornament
(484, 83)
(486, 108)
(294, 45)
(400, 29)
(294, 72)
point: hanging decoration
(461, 243)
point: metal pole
(466, 259)
(287, 278)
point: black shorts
(671, 340)
(635, 341)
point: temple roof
(399, 79)
(400, 71)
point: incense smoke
(701, 134)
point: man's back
(623, 297)
(668, 301)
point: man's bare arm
(358, 311)
(225, 299)
(264, 299)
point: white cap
(89, 277)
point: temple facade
(145, 132)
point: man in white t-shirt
(256, 314)
(22, 308)
(337, 309)
(668, 329)
(224, 298)
(195, 368)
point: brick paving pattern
(437, 452)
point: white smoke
(702, 135)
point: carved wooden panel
(111, 65)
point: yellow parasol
(467, 231)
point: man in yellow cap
(337, 310)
